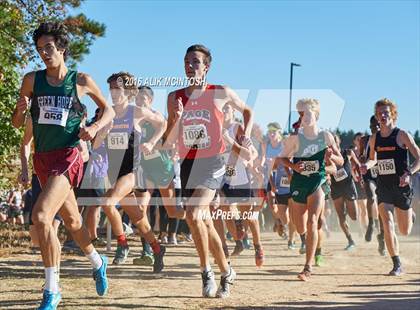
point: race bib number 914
(118, 141)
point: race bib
(284, 182)
(53, 116)
(340, 175)
(374, 171)
(118, 140)
(153, 154)
(310, 167)
(196, 137)
(230, 171)
(386, 166)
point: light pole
(292, 64)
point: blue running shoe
(50, 300)
(99, 276)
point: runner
(389, 149)
(236, 187)
(123, 144)
(280, 185)
(195, 118)
(56, 113)
(308, 149)
(157, 172)
(370, 189)
(343, 192)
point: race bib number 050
(386, 166)
(196, 137)
(311, 167)
(118, 141)
(53, 116)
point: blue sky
(356, 51)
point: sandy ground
(348, 280)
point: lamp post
(292, 64)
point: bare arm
(175, 109)
(335, 156)
(408, 142)
(88, 86)
(291, 145)
(25, 152)
(240, 106)
(158, 123)
(26, 91)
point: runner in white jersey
(236, 189)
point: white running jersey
(236, 173)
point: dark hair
(147, 90)
(202, 49)
(126, 78)
(58, 31)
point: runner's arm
(335, 156)
(175, 109)
(372, 156)
(158, 122)
(90, 88)
(26, 90)
(25, 152)
(408, 141)
(240, 106)
(290, 148)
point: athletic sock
(396, 261)
(51, 282)
(95, 259)
(205, 268)
(122, 240)
(303, 238)
(377, 225)
(318, 251)
(239, 243)
(146, 246)
(370, 222)
(155, 247)
(225, 274)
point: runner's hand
(404, 179)
(299, 166)
(178, 108)
(88, 133)
(22, 104)
(146, 147)
(363, 169)
(23, 177)
(245, 141)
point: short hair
(201, 48)
(311, 103)
(127, 82)
(58, 31)
(385, 102)
(148, 90)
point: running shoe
(239, 247)
(259, 257)
(127, 230)
(291, 245)
(246, 243)
(100, 278)
(302, 249)
(146, 259)
(50, 300)
(225, 283)
(158, 263)
(99, 243)
(172, 241)
(306, 273)
(369, 233)
(381, 245)
(209, 284)
(319, 260)
(121, 254)
(396, 271)
(350, 246)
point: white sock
(51, 282)
(206, 268)
(95, 259)
(225, 274)
(58, 273)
